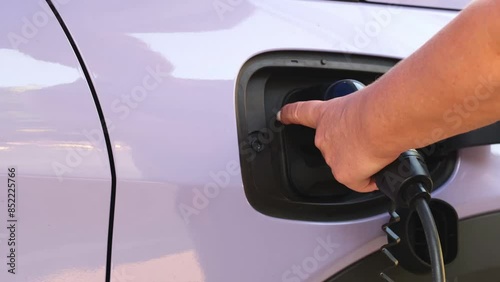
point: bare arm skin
(451, 85)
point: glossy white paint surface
(180, 136)
(62, 181)
(165, 73)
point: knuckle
(296, 111)
(319, 139)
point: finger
(303, 113)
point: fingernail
(278, 116)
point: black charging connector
(407, 182)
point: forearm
(449, 86)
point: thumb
(372, 186)
(303, 113)
(363, 186)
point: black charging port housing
(284, 174)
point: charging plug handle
(405, 180)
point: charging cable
(407, 182)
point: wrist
(374, 127)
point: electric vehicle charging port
(284, 174)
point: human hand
(342, 138)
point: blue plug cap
(342, 88)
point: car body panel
(165, 73)
(63, 188)
(180, 136)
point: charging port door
(284, 174)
